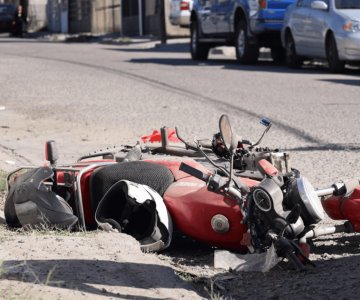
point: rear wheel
(246, 52)
(335, 64)
(293, 60)
(198, 50)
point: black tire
(198, 50)
(335, 64)
(278, 54)
(293, 60)
(247, 53)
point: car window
(7, 9)
(304, 3)
(347, 4)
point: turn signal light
(263, 4)
(352, 26)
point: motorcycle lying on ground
(228, 193)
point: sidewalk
(117, 39)
(87, 37)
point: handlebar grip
(194, 172)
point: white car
(180, 12)
(327, 29)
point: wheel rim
(241, 43)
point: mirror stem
(231, 165)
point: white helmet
(137, 210)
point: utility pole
(140, 18)
(162, 21)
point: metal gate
(80, 16)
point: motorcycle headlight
(352, 26)
(303, 193)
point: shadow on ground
(89, 275)
(335, 275)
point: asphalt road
(90, 96)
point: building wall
(106, 16)
(151, 19)
(99, 16)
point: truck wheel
(293, 60)
(198, 50)
(246, 52)
(335, 64)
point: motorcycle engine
(266, 214)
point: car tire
(293, 60)
(278, 54)
(335, 64)
(198, 50)
(246, 53)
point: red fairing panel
(192, 207)
(89, 213)
(344, 208)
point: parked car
(180, 12)
(246, 24)
(327, 29)
(7, 17)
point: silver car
(180, 12)
(327, 29)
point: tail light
(262, 4)
(184, 5)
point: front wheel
(247, 53)
(293, 60)
(335, 64)
(198, 50)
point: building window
(130, 8)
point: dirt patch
(79, 265)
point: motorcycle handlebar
(194, 172)
(339, 188)
(235, 192)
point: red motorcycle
(229, 193)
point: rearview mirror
(226, 132)
(321, 5)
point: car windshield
(347, 4)
(7, 9)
